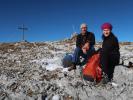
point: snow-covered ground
(33, 71)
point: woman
(109, 54)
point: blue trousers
(78, 52)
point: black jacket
(82, 39)
(110, 54)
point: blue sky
(50, 20)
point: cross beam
(23, 28)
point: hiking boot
(73, 67)
(104, 80)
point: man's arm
(92, 40)
(78, 42)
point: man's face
(106, 32)
(83, 30)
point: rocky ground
(33, 71)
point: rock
(3, 95)
(97, 97)
(56, 97)
(25, 74)
(44, 96)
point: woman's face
(106, 32)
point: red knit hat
(106, 26)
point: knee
(77, 49)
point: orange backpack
(92, 70)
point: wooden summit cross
(23, 28)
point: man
(84, 46)
(110, 54)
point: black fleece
(82, 39)
(110, 54)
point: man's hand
(85, 48)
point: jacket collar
(104, 38)
(85, 33)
